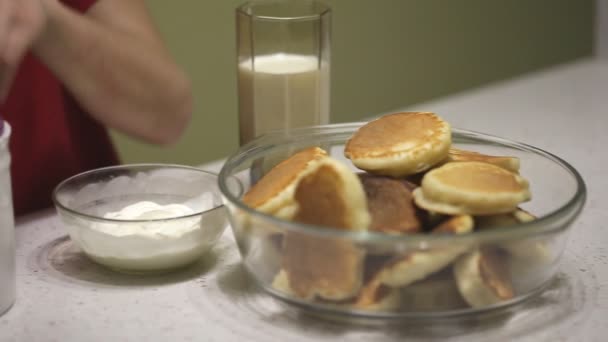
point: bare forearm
(125, 81)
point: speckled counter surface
(64, 297)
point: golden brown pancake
(483, 277)
(391, 205)
(378, 300)
(406, 269)
(495, 273)
(400, 144)
(460, 224)
(330, 196)
(529, 251)
(373, 291)
(330, 269)
(473, 188)
(507, 163)
(529, 257)
(502, 220)
(274, 192)
(383, 298)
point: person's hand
(21, 22)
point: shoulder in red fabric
(52, 137)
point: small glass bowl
(142, 245)
(558, 196)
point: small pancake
(373, 291)
(483, 277)
(406, 269)
(501, 220)
(400, 144)
(319, 267)
(391, 205)
(507, 163)
(415, 266)
(473, 188)
(531, 263)
(460, 224)
(523, 216)
(330, 196)
(530, 258)
(531, 251)
(273, 193)
(438, 292)
(383, 298)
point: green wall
(386, 54)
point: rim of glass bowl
(60, 205)
(336, 134)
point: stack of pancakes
(412, 182)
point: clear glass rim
(542, 225)
(143, 166)
(248, 9)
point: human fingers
(28, 24)
(6, 17)
(17, 44)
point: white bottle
(7, 226)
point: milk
(282, 91)
(7, 227)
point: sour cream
(149, 237)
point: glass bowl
(91, 205)
(534, 248)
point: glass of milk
(283, 50)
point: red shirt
(52, 137)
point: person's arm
(20, 24)
(114, 62)
(111, 59)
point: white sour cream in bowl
(141, 222)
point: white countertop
(64, 297)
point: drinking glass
(283, 50)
